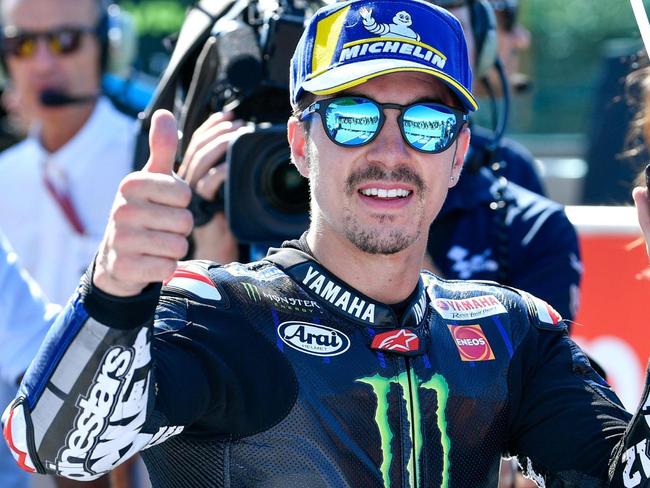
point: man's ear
(462, 146)
(298, 144)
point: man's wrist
(120, 312)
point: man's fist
(149, 223)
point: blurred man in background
(55, 193)
(512, 40)
(57, 185)
(490, 227)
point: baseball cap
(348, 43)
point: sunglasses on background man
(22, 44)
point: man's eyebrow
(424, 99)
(436, 99)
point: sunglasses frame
(13, 35)
(320, 107)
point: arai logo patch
(313, 339)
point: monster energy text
(290, 304)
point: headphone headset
(484, 28)
(103, 27)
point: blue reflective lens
(355, 121)
(352, 121)
(429, 127)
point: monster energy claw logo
(252, 291)
(381, 387)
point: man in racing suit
(334, 362)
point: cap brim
(340, 78)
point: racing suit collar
(339, 297)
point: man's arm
(25, 316)
(83, 404)
(565, 421)
(588, 432)
(630, 467)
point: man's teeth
(382, 193)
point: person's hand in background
(205, 170)
(642, 203)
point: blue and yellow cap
(348, 43)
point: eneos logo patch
(313, 339)
(471, 342)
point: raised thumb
(163, 142)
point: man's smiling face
(382, 196)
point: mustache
(375, 173)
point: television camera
(235, 55)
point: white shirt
(93, 161)
(25, 317)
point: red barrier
(613, 323)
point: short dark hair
(303, 102)
(301, 105)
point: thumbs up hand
(149, 223)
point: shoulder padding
(192, 280)
(542, 315)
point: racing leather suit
(278, 374)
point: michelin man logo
(399, 28)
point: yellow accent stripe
(328, 31)
(344, 86)
(396, 39)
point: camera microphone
(55, 98)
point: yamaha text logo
(313, 339)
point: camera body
(235, 55)
(244, 66)
(266, 199)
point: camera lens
(267, 200)
(283, 187)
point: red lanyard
(61, 196)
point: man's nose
(43, 56)
(389, 147)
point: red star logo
(401, 340)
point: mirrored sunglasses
(355, 121)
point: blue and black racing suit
(278, 374)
